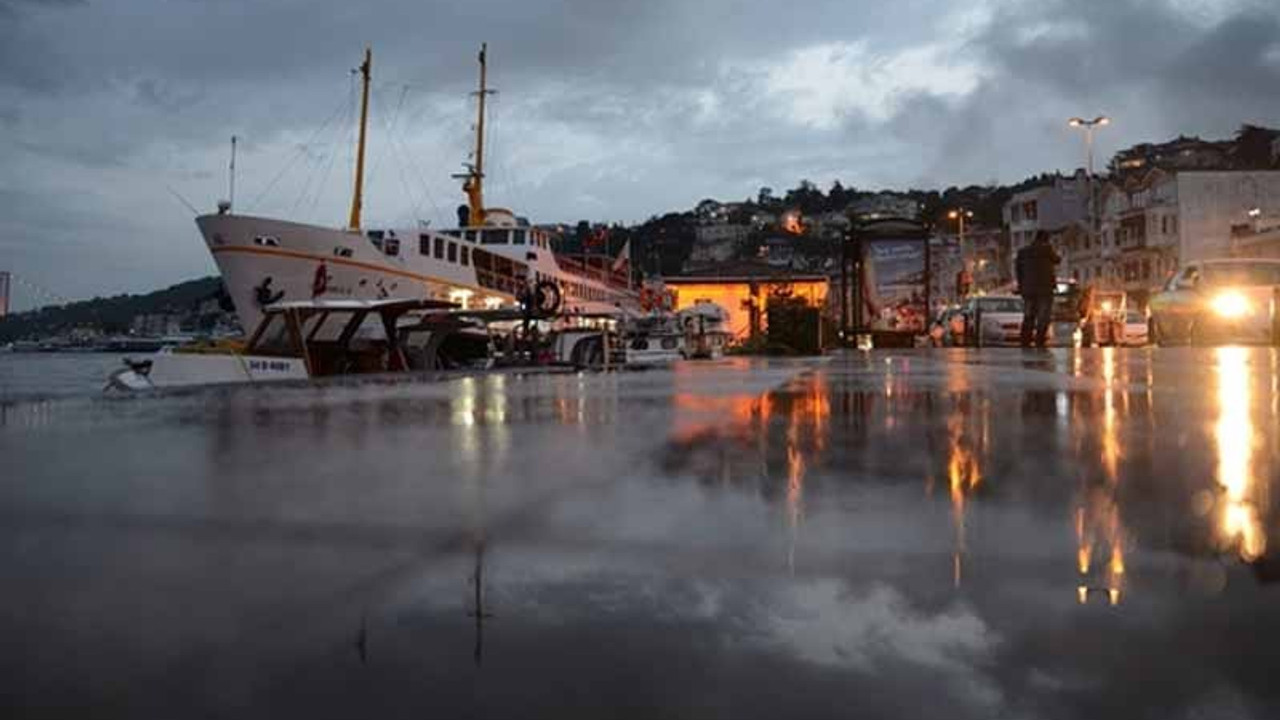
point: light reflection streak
(964, 474)
(1235, 434)
(1097, 517)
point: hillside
(110, 315)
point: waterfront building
(744, 290)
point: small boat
(706, 334)
(298, 341)
(653, 340)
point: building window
(439, 248)
(453, 252)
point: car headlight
(1230, 304)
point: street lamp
(959, 215)
(1089, 126)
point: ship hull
(263, 261)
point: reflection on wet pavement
(917, 534)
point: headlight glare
(1230, 304)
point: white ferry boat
(484, 263)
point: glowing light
(1230, 304)
(1113, 594)
(963, 474)
(1082, 594)
(1117, 561)
(461, 297)
(792, 224)
(492, 303)
(1234, 432)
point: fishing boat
(484, 262)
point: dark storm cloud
(610, 110)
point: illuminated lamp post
(963, 287)
(1089, 126)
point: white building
(885, 205)
(1153, 223)
(1051, 208)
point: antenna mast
(357, 199)
(231, 195)
(473, 179)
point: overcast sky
(609, 110)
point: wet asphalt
(923, 534)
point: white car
(993, 320)
(1135, 328)
(1218, 301)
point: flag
(623, 261)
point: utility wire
(299, 152)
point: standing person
(1037, 266)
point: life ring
(320, 282)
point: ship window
(267, 240)
(453, 252)
(439, 248)
(466, 255)
(391, 246)
(344, 252)
(424, 244)
(519, 236)
(453, 233)
(493, 237)
(470, 235)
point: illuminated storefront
(746, 296)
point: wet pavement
(929, 534)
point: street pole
(965, 266)
(1090, 213)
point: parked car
(992, 320)
(1218, 301)
(1135, 328)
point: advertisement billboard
(894, 285)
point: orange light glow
(736, 297)
(792, 223)
(1239, 524)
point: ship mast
(473, 179)
(357, 200)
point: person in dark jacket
(1037, 266)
